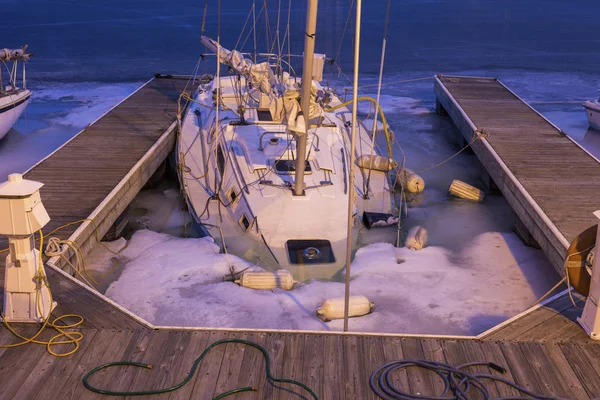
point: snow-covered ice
(178, 282)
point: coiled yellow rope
(70, 337)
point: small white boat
(13, 99)
(592, 110)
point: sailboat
(264, 161)
(13, 99)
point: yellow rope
(71, 337)
(383, 120)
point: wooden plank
(549, 366)
(71, 386)
(198, 341)
(231, 366)
(126, 346)
(208, 373)
(374, 357)
(103, 379)
(332, 368)
(163, 354)
(16, 362)
(97, 312)
(492, 352)
(591, 352)
(557, 328)
(275, 344)
(355, 383)
(50, 367)
(293, 356)
(582, 368)
(458, 353)
(541, 323)
(517, 364)
(252, 371)
(420, 380)
(392, 349)
(433, 351)
(314, 361)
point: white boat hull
(11, 108)
(592, 111)
(264, 223)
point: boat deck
(548, 179)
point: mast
(309, 51)
(351, 164)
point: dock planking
(555, 321)
(551, 369)
(551, 182)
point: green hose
(192, 372)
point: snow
(179, 282)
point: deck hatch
(287, 167)
(310, 251)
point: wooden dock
(97, 173)
(544, 351)
(552, 183)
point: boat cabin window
(245, 222)
(220, 160)
(232, 196)
(264, 115)
(287, 167)
(311, 251)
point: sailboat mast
(351, 163)
(309, 51)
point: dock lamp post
(26, 294)
(590, 318)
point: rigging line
(267, 27)
(374, 127)
(337, 55)
(289, 38)
(276, 38)
(254, 28)
(255, 34)
(243, 30)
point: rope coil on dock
(458, 384)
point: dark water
(125, 40)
